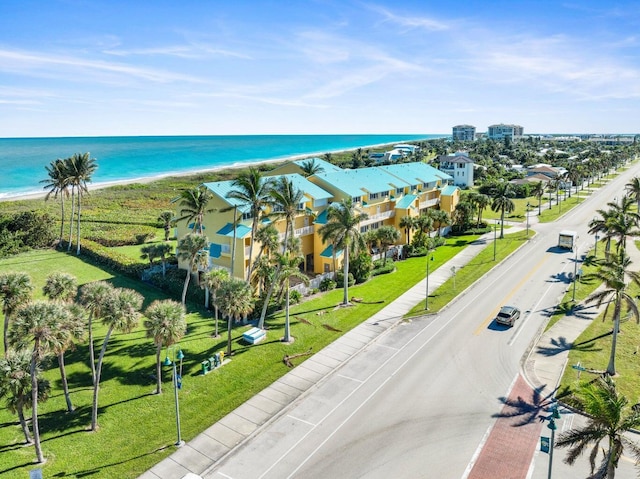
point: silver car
(508, 315)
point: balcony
(429, 203)
(378, 217)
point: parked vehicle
(508, 315)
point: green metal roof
(325, 165)
(222, 189)
(310, 189)
(360, 181)
(405, 202)
(448, 190)
(410, 172)
(328, 252)
(241, 230)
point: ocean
(119, 159)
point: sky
(220, 67)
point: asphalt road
(419, 401)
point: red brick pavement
(509, 450)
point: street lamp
(575, 269)
(552, 425)
(429, 260)
(595, 248)
(528, 205)
(177, 384)
(495, 228)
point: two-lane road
(418, 401)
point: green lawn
(137, 428)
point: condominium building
(385, 193)
(459, 166)
(464, 133)
(501, 131)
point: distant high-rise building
(499, 132)
(464, 133)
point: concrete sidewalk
(212, 445)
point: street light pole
(552, 425)
(528, 219)
(495, 228)
(595, 248)
(177, 384)
(426, 300)
(575, 270)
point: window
(374, 196)
(357, 199)
(385, 194)
(399, 191)
(247, 216)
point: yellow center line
(506, 299)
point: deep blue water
(23, 160)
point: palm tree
(442, 219)
(286, 202)
(267, 236)
(163, 250)
(252, 191)
(57, 184)
(609, 417)
(213, 279)
(311, 167)
(189, 248)
(194, 205)
(538, 192)
(15, 386)
(343, 229)
(613, 273)
(408, 223)
(80, 169)
(633, 190)
(168, 221)
(288, 269)
(482, 202)
(235, 301)
(387, 236)
(149, 252)
(15, 290)
(63, 287)
(166, 325)
(121, 313)
(502, 195)
(37, 323)
(616, 223)
(94, 296)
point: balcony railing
(429, 203)
(378, 217)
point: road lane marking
(301, 420)
(350, 378)
(505, 300)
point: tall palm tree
(408, 223)
(166, 325)
(613, 273)
(213, 279)
(289, 268)
(617, 223)
(482, 202)
(15, 290)
(311, 167)
(609, 417)
(167, 220)
(63, 287)
(538, 192)
(235, 300)
(57, 184)
(149, 252)
(286, 201)
(442, 218)
(36, 327)
(80, 169)
(253, 191)
(633, 190)
(194, 204)
(15, 386)
(189, 248)
(121, 313)
(94, 297)
(502, 195)
(343, 229)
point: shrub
(380, 268)
(111, 259)
(327, 284)
(360, 267)
(295, 296)
(340, 279)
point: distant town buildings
(464, 133)
(502, 131)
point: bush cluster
(380, 268)
(103, 256)
(118, 234)
(25, 230)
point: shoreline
(178, 174)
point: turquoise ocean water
(23, 160)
